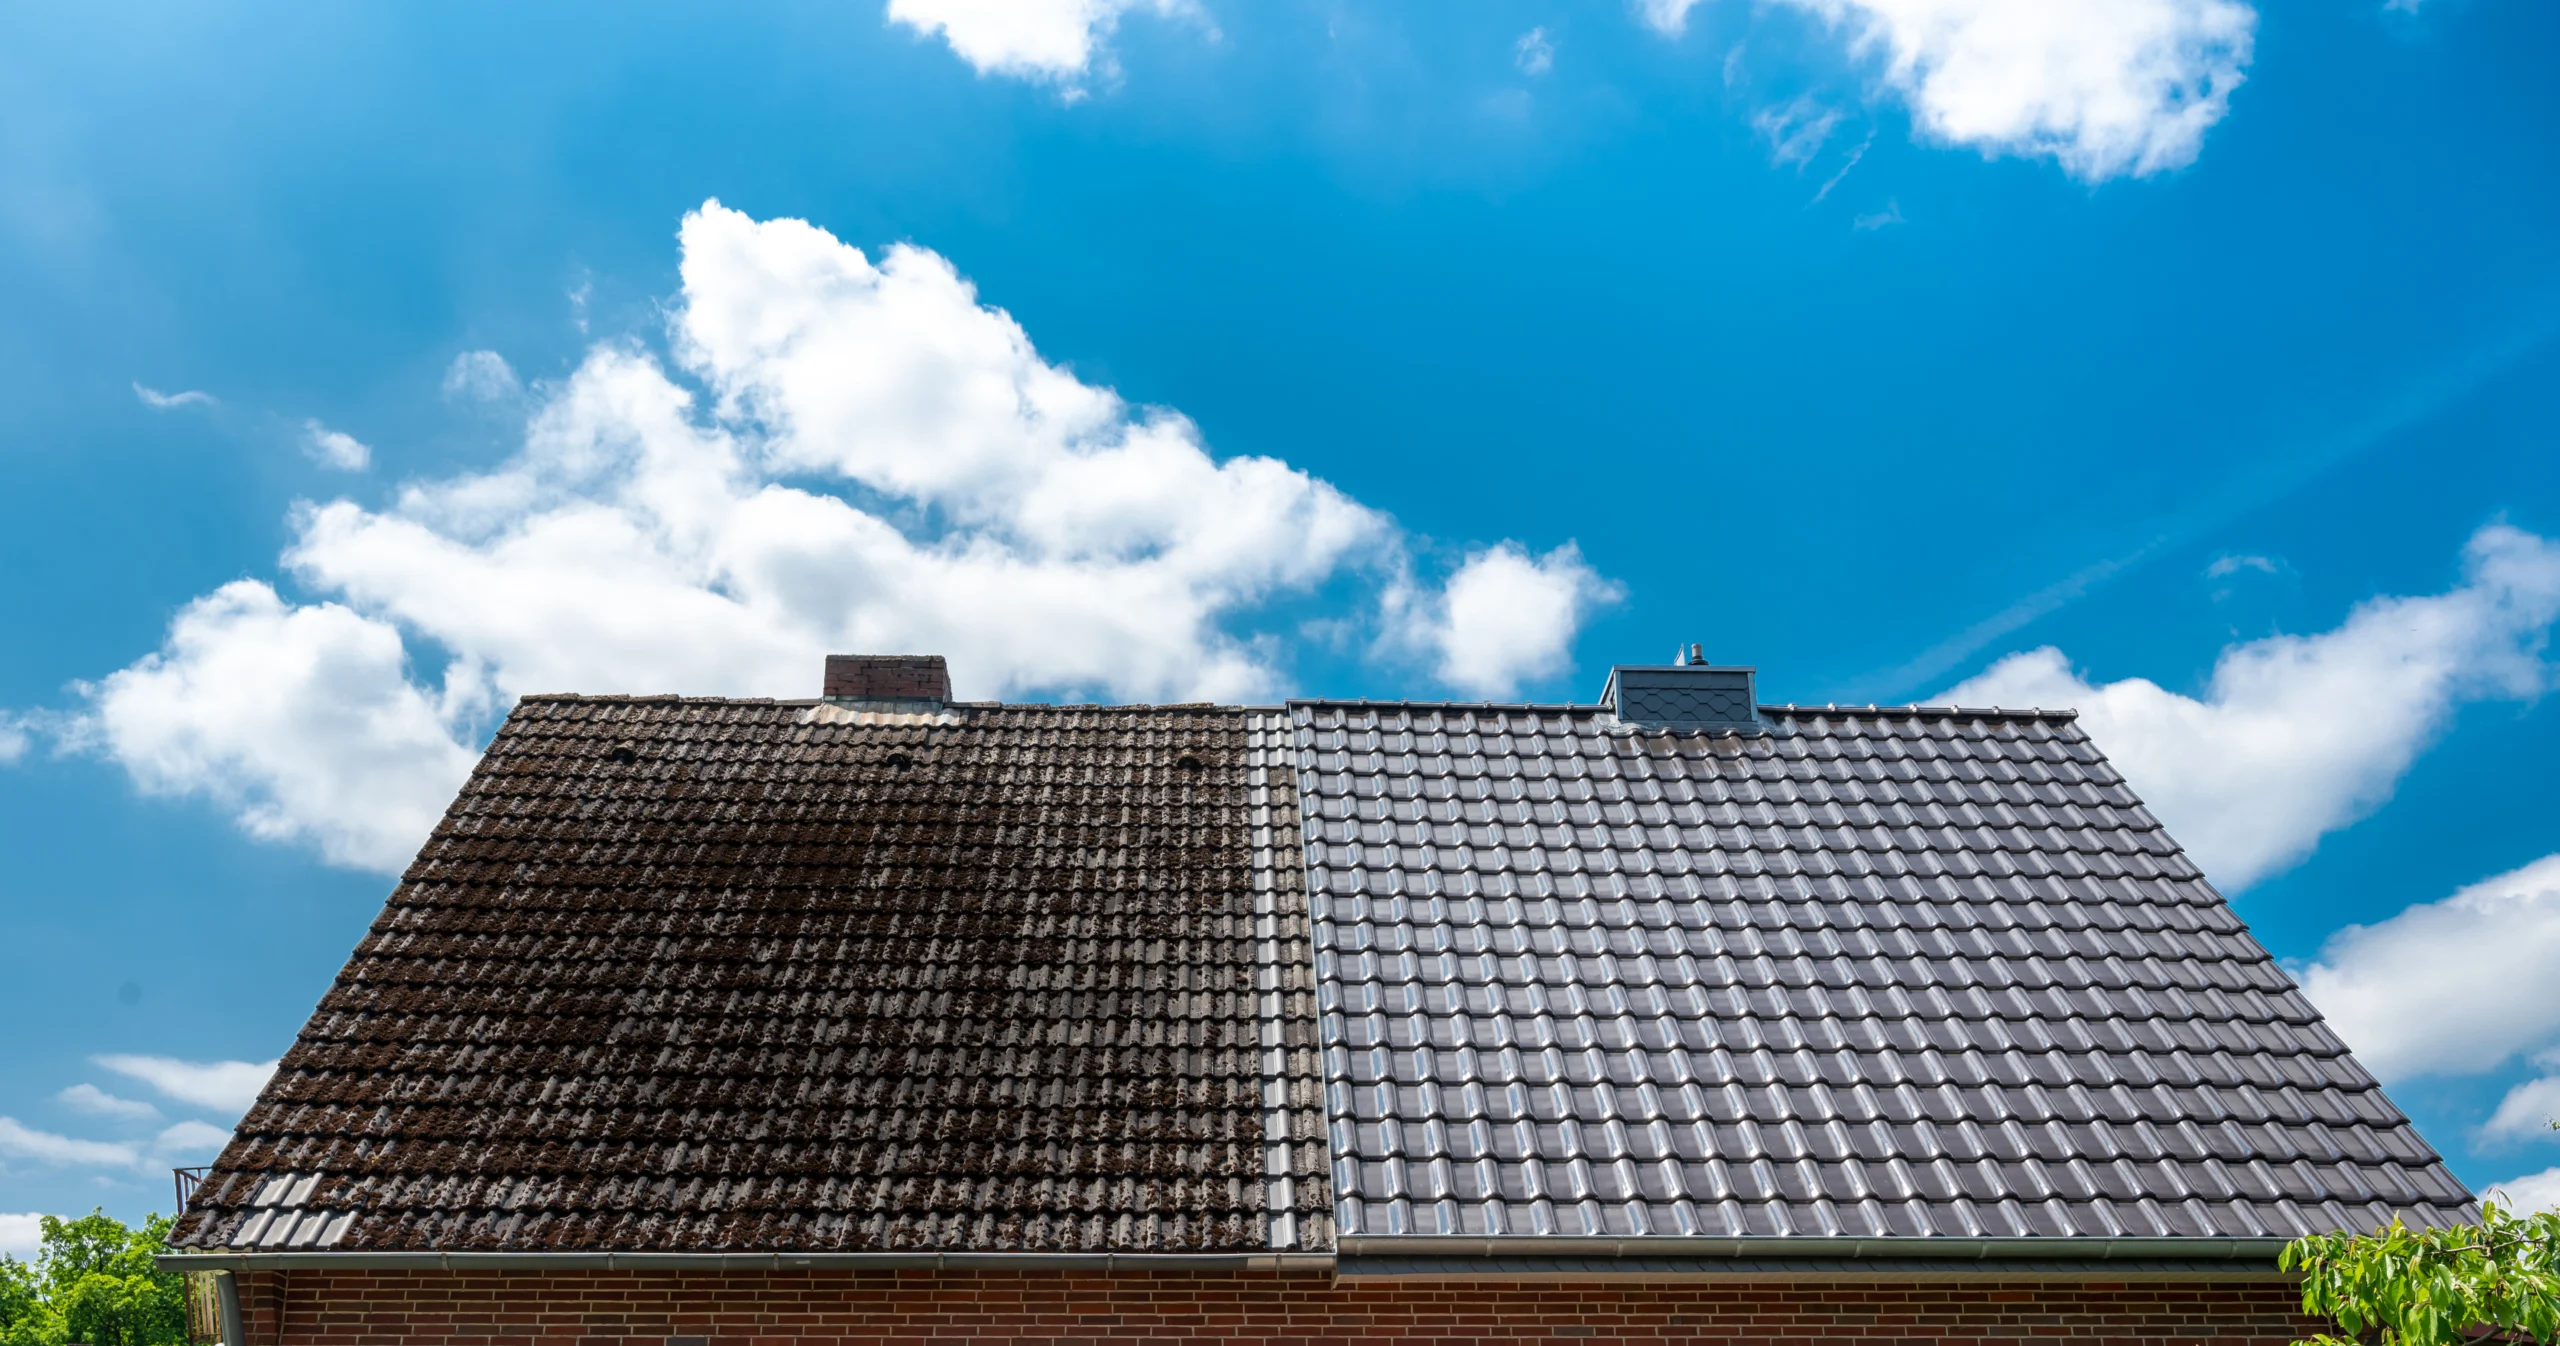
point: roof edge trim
(1897, 1271)
(723, 1262)
(1948, 1249)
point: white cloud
(335, 448)
(1795, 130)
(1667, 17)
(2108, 88)
(2526, 1113)
(1506, 617)
(25, 1142)
(90, 1098)
(484, 376)
(190, 1138)
(1056, 40)
(1039, 531)
(2224, 566)
(2452, 987)
(2297, 736)
(21, 1236)
(1534, 53)
(2532, 1193)
(299, 720)
(160, 401)
(1886, 218)
(13, 738)
(220, 1086)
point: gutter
(1950, 1251)
(1802, 1248)
(228, 1262)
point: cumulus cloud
(2107, 88)
(218, 1086)
(21, 1236)
(20, 1141)
(2453, 987)
(484, 376)
(91, 1099)
(160, 401)
(1667, 17)
(2527, 1112)
(335, 448)
(1505, 617)
(300, 720)
(1053, 40)
(681, 529)
(1534, 53)
(2297, 736)
(2532, 1193)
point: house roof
(1870, 974)
(890, 977)
(749, 975)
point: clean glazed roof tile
(1871, 974)
(690, 975)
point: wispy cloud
(91, 1099)
(2274, 478)
(187, 1139)
(1834, 180)
(21, 1141)
(2225, 566)
(1795, 129)
(1886, 218)
(1534, 53)
(160, 401)
(221, 1086)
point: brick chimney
(887, 677)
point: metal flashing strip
(1269, 748)
(738, 1262)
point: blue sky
(361, 369)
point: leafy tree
(2496, 1281)
(94, 1282)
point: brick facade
(406, 1308)
(869, 677)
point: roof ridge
(1766, 708)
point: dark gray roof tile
(1909, 973)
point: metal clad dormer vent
(1687, 696)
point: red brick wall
(869, 676)
(395, 1308)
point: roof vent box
(1689, 696)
